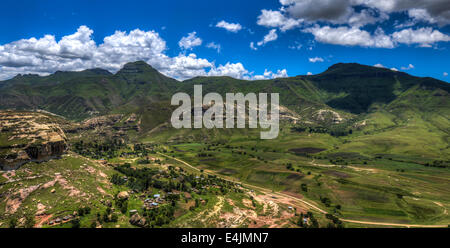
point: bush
(29, 221)
(13, 223)
(75, 223)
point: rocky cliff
(29, 136)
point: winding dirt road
(267, 191)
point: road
(267, 191)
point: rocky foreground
(29, 136)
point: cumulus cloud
(406, 68)
(190, 41)
(252, 46)
(445, 74)
(184, 67)
(309, 73)
(78, 51)
(237, 70)
(423, 36)
(365, 17)
(432, 11)
(315, 59)
(379, 66)
(271, 36)
(275, 19)
(231, 27)
(340, 11)
(349, 16)
(318, 10)
(270, 75)
(215, 46)
(350, 36)
(394, 69)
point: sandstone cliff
(29, 136)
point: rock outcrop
(137, 220)
(29, 136)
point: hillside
(368, 100)
(352, 88)
(29, 136)
(357, 142)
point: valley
(358, 146)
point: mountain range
(351, 87)
(364, 143)
(345, 95)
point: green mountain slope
(346, 96)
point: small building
(157, 196)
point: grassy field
(376, 174)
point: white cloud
(406, 68)
(270, 75)
(309, 73)
(296, 46)
(315, 59)
(275, 19)
(237, 70)
(394, 69)
(350, 36)
(355, 14)
(215, 46)
(190, 41)
(231, 27)
(79, 52)
(349, 16)
(252, 46)
(445, 74)
(271, 36)
(425, 37)
(379, 66)
(184, 67)
(365, 17)
(280, 74)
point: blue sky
(302, 36)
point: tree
(124, 207)
(75, 223)
(304, 187)
(13, 222)
(114, 218)
(300, 220)
(93, 224)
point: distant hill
(351, 89)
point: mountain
(363, 143)
(79, 95)
(344, 90)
